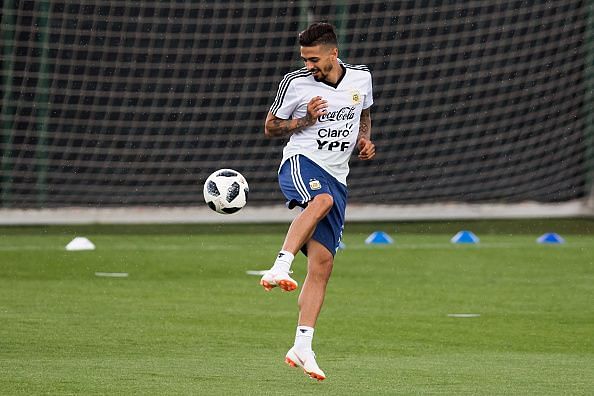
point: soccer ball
(226, 191)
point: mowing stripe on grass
(397, 246)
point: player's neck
(336, 74)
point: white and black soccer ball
(226, 191)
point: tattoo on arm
(365, 125)
(277, 127)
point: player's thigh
(301, 180)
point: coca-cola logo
(346, 113)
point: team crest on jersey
(356, 96)
(315, 184)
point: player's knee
(322, 204)
(327, 265)
(322, 269)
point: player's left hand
(366, 149)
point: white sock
(303, 338)
(283, 261)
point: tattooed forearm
(281, 128)
(277, 127)
(365, 125)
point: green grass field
(189, 320)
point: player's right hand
(315, 108)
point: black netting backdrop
(135, 103)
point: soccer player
(325, 110)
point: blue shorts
(300, 180)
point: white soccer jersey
(331, 140)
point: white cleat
(307, 361)
(282, 279)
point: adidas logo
(280, 255)
(303, 330)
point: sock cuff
(284, 260)
(285, 256)
(305, 331)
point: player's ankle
(283, 261)
(303, 338)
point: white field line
(112, 274)
(464, 315)
(256, 272)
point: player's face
(319, 60)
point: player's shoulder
(357, 68)
(295, 76)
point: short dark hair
(317, 34)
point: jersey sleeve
(368, 102)
(286, 100)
